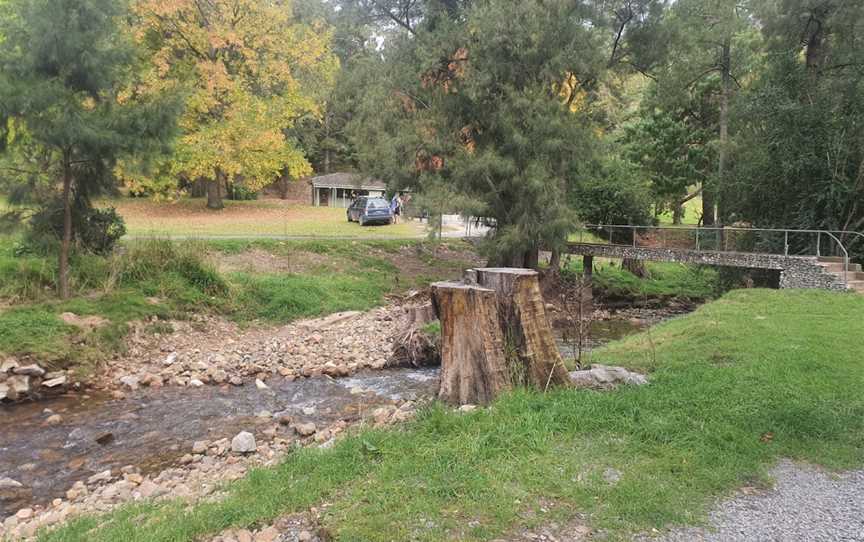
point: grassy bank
(272, 281)
(743, 381)
(666, 280)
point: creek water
(152, 428)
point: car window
(377, 203)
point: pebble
(260, 384)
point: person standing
(396, 207)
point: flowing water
(152, 428)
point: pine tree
(65, 74)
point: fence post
(697, 238)
(786, 244)
(634, 237)
(818, 244)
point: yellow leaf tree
(248, 70)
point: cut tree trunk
(473, 369)
(532, 354)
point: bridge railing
(786, 242)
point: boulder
(130, 381)
(13, 490)
(606, 377)
(17, 387)
(8, 365)
(305, 429)
(29, 370)
(243, 443)
(55, 382)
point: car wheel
(362, 222)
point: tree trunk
(214, 191)
(533, 356)
(283, 185)
(66, 243)
(636, 267)
(726, 82)
(677, 213)
(473, 369)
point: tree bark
(66, 243)
(473, 368)
(726, 89)
(532, 353)
(214, 191)
(636, 267)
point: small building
(339, 189)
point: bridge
(804, 258)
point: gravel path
(805, 505)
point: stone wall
(795, 271)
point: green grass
(692, 212)
(666, 280)
(190, 218)
(755, 363)
(165, 279)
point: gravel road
(805, 505)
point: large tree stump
(473, 369)
(531, 352)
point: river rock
(24, 514)
(54, 419)
(130, 381)
(200, 446)
(13, 490)
(305, 429)
(29, 370)
(260, 384)
(4, 391)
(55, 382)
(243, 443)
(195, 383)
(606, 377)
(270, 534)
(104, 476)
(8, 365)
(17, 386)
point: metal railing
(774, 241)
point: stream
(152, 428)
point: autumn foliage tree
(248, 70)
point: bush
(93, 230)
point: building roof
(347, 180)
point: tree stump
(531, 352)
(473, 369)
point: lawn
(692, 212)
(756, 376)
(190, 218)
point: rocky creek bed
(164, 420)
